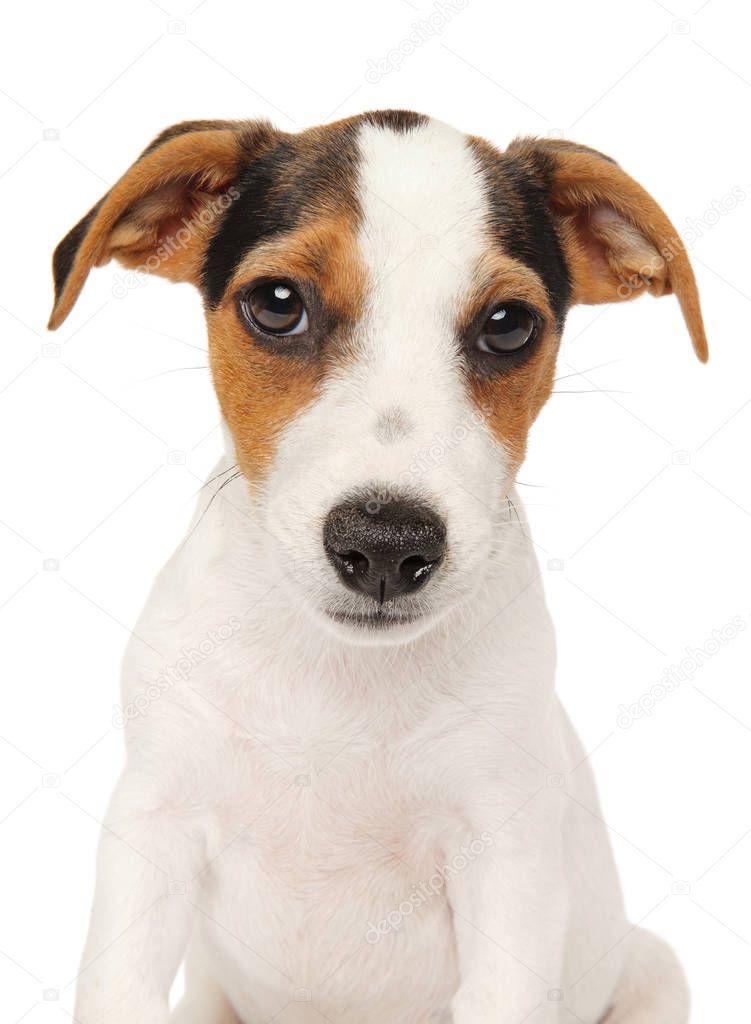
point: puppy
(344, 811)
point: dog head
(384, 298)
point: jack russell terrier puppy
(345, 812)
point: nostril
(353, 562)
(415, 570)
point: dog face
(384, 299)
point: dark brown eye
(275, 308)
(507, 329)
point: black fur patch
(518, 193)
(65, 253)
(277, 191)
(400, 121)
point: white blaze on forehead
(424, 223)
(397, 415)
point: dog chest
(327, 875)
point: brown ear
(618, 242)
(160, 216)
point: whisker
(580, 373)
(591, 391)
(219, 489)
(213, 478)
(162, 334)
(175, 369)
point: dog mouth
(380, 619)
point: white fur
(302, 785)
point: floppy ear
(161, 214)
(618, 242)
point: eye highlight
(509, 328)
(275, 308)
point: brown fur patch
(325, 251)
(512, 399)
(261, 391)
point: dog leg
(509, 922)
(652, 988)
(203, 1002)
(141, 916)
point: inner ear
(164, 229)
(612, 259)
(627, 250)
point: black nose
(386, 552)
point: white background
(639, 496)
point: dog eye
(275, 308)
(507, 329)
